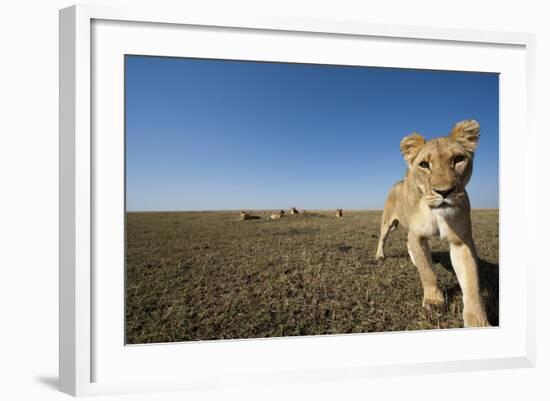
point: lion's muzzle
(444, 192)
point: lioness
(276, 216)
(432, 201)
(248, 216)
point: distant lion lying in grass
(276, 216)
(248, 216)
(432, 201)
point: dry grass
(208, 275)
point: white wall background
(29, 196)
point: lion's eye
(459, 159)
(424, 164)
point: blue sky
(216, 134)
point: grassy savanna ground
(208, 275)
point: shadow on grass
(488, 277)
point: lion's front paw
(433, 297)
(475, 319)
(380, 255)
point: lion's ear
(411, 145)
(467, 134)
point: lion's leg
(464, 260)
(420, 253)
(388, 225)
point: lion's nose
(444, 192)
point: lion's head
(440, 168)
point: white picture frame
(84, 328)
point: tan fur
(248, 216)
(339, 213)
(276, 216)
(441, 164)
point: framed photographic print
(273, 200)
